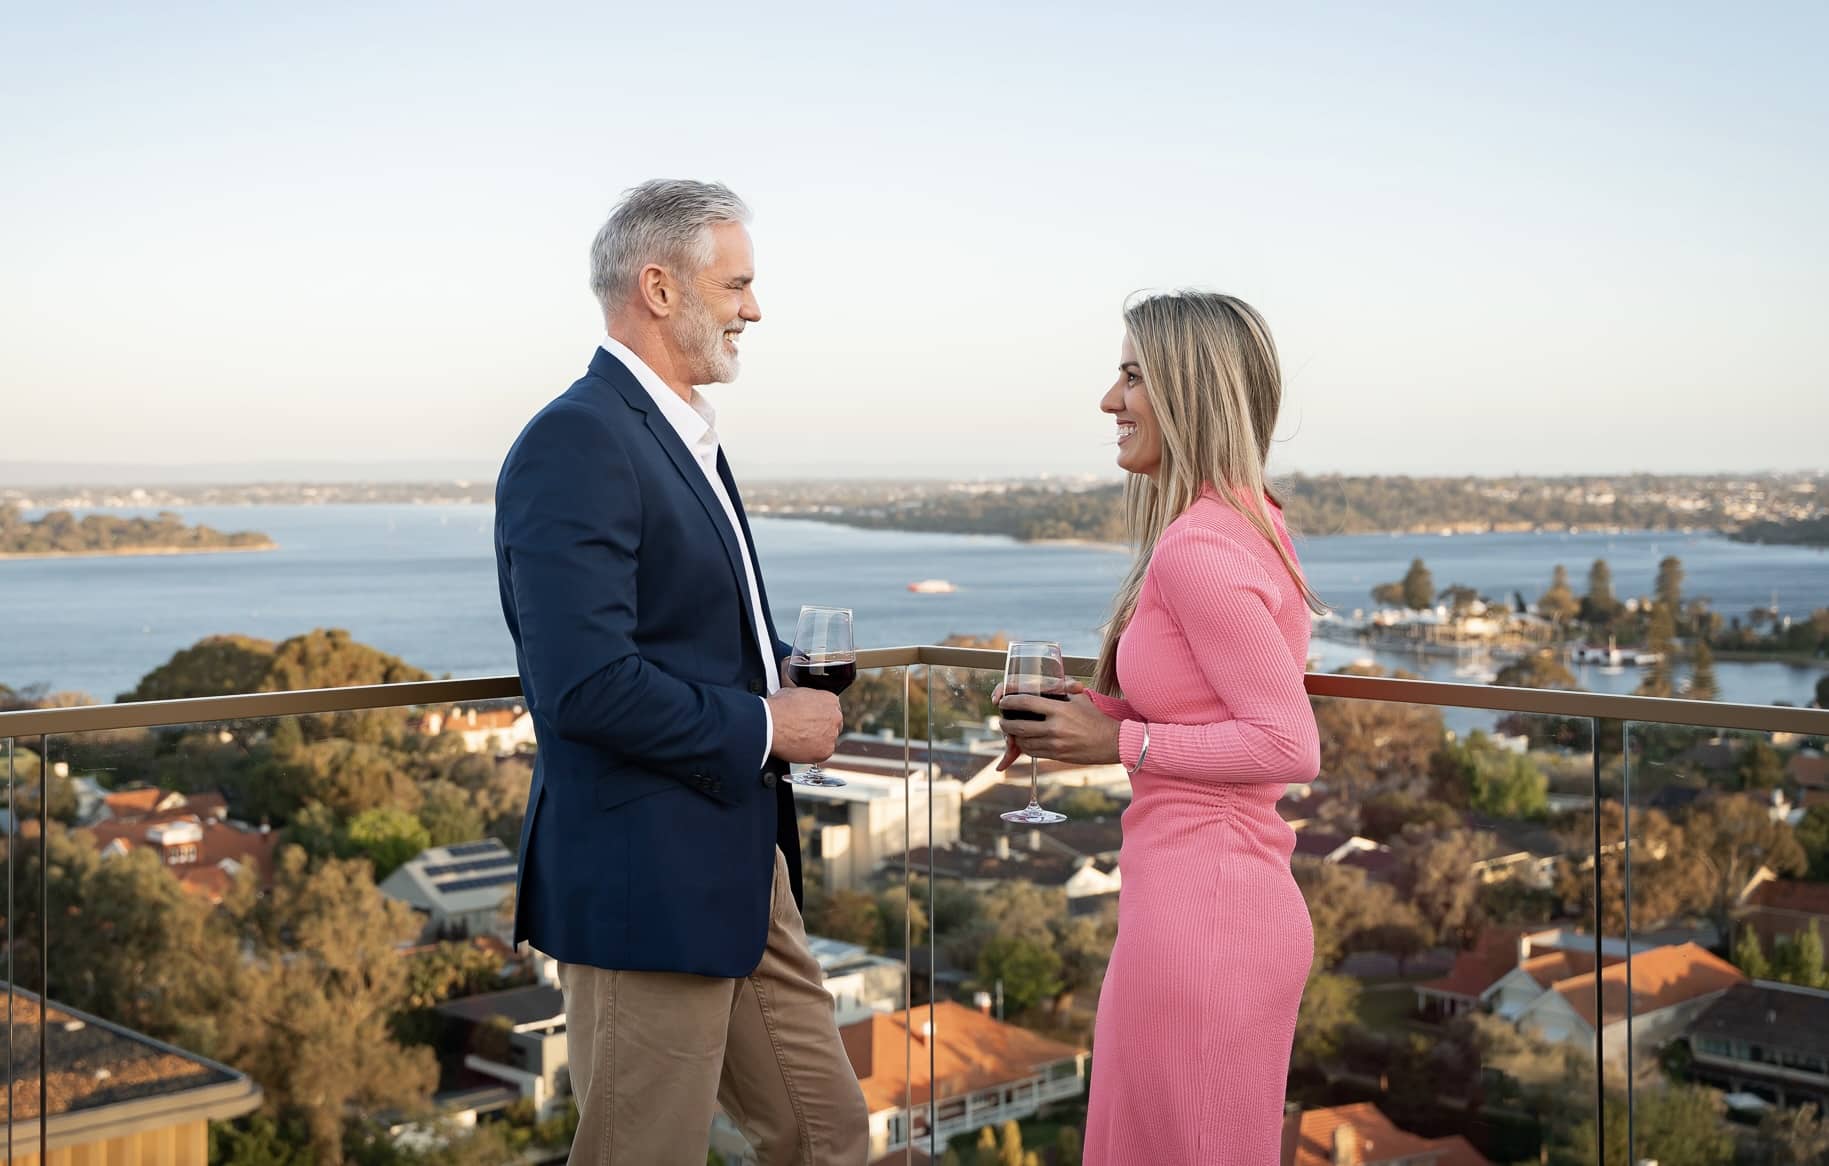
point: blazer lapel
(613, 371)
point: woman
(1207, 643)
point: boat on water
(932, 587)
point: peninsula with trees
(60, 534)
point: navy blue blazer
(651, 829)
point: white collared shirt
(696, 423)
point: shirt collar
(693, 421)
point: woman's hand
(1072, 730)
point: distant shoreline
(1087, 544)
(134, 552)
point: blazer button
(768, 778)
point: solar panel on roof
(438, 870)
(465, 849)
(474, 884)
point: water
(419, 581)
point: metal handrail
(1533, 701)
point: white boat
(932, 587)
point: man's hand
(807, 723)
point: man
(660, 857)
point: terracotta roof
(1494, 954)
(94, 1064)
(1808, 769)
(128, 803)
(1552, 967)
(1661, 978)
(1795, 895)
(970, 1052)
(1308, 1140)
(220, 841)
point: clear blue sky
(1533, 238)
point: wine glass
(824, 658)
(1033, 668)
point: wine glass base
(823, 780)
(1033, 816)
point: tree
(1666, 878)
(1599, 605)
(319, 977)
(213, 666)
(1660, 677)
(1731, 838)
(1328, 1010)
(387, 837)
(1343, 904)
(1799, 960)
(1069, 1147)
(847, 916)
(987, 1147)
(1794, 1137)
(1364, 742)
(1749, 957)
(1677, 1125)
(1029, 971)
(1813, 836)
(1822, 691)
(1491, 780)
(1088, 802)
(1542, 668)
(1388, 595)
(1419, 586)
(1461, 599)
(448, 815)
(950, 1158)
(1759, 767)
(1702, 682)
(1670, 584)
(1385, 816)
(1009, 1147)
(1434, 875)
(1558, 604)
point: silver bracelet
(1131, 770)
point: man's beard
(702, 337)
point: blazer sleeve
(1225, 605)
(571, 523)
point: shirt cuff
(768, 732)
(1130, 743)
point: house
(1808, 772)
(862, 825)
(1670, 986)
(984, 1072)
(499, 730)
(1089, 883)
(515, 1037)
(1378, 861)
(459, 889)
(1767, 1039)
(191, 835)
(860, 983)
(1778, 908)
(1495, 954)
(1525, 851)
(1361, 1135)
(133, 804)
(114, 1095)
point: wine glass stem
(1034, 783)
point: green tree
(448, 814)
(1435, 876)
(1812, 835)
(213, 666)
(1542, 668)
(1599, 605)
(1759, 766)
(847, 916)
(1491, 780)
(258, 1140)
(1730, 839)
(1793, 1137)
(1419, 586)
(1822, 691)
(1666, 878)
(950, 1158)
(387, 837)
(1702, 682)
(1677, 1125)
(1367, 742)
(1388, 595)
(1670, 584)
(1385, 816)
(1749, 957)
(1030, 971)
(1327, 1012)
(1069, 1147)
(1558, 604)
(1660, 677)
(1088, 802)
(987, 1147)
(1799, 960)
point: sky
(1549, 238)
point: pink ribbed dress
(1198, 1011)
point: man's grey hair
(666, 221)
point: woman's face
(1139, 438)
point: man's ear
(657, 290)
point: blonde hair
(1210, 371)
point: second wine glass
(825, 658)
(1033, 668)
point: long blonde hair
(1210, 370)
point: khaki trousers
(653, 1053)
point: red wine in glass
(825, 659)
(1033, 668)
(1010, 714)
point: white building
(459, 889)
(500, 731)
(861, 984)
(867, 822)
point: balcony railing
(1611, 754)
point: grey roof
(534, 1004)
(1763, 1012)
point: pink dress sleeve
(1226, 605)
(1115, 707)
